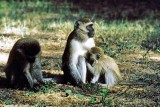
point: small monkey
(78, 43)
(98, 63)
(24, 63)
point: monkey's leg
(95, 78)
(110, 79)
(28, 75)
(82, 68)
(36, 71)
(75, 77)
(71, 74)
(12, 80)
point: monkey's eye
(98, 56)
(89, 27)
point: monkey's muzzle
(91, 34)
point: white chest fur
(80, 48)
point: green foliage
(114, 36)
(92, 99)
(80, 96)
(47, 88)
(39, 105)
(69, 92)
(104, 100)
(29, 93)
(122, 35)
(46, 62)
(39, 15)
(103, 92)
(58, 64)
(152, 41)
(8, 102)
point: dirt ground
(140, 86)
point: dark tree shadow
(104, 9)
(119, 9)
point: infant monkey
(100, 64)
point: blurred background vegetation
(120, 24)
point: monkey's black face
(31, 59)
(91, 30)
(98, 56)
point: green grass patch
(8, 102)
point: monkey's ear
(76, 25)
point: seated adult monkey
(24, 63)
(78, 43)
(100, 64)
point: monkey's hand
(90, 67)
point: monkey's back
(65, 56)
(108, 64)
(29, 45)
(16, 60)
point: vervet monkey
(24, 63)
(100, 64)
(78, 43)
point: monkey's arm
(90, 68)
(75, 74)
(95, 74)
(95, 77)
(81, 66)
(74, 62)
(28, 75)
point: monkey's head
(94, 55)
(85, 25)
(30, 48)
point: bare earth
(139, 88)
